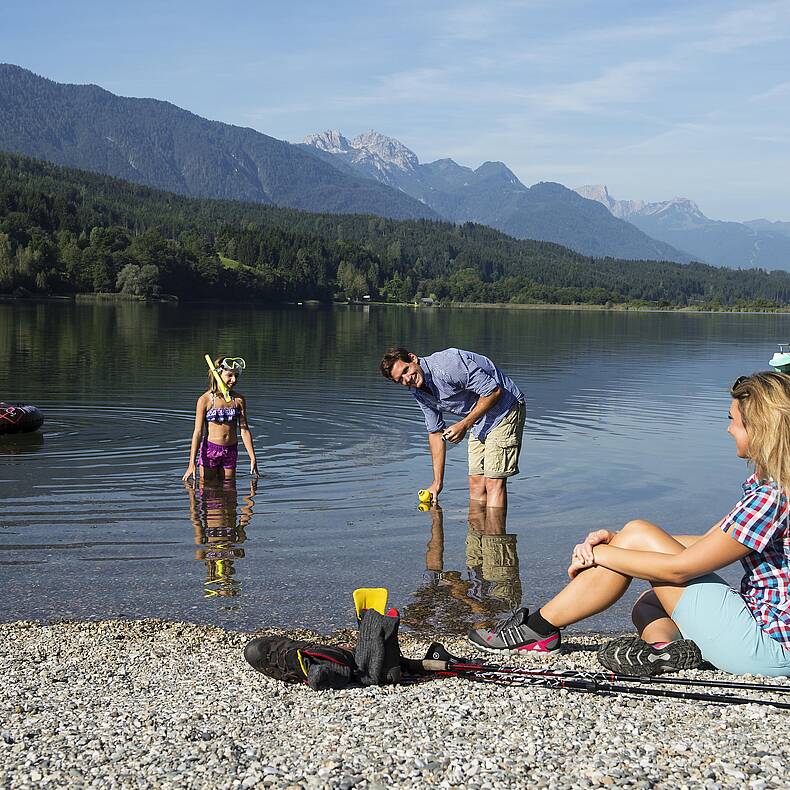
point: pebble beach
(148, 703)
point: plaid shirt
(761, 521)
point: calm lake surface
(626, 418)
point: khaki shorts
(497, 455)
(498, 557)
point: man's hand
(435, 489)
(455, 433)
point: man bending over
(490, 405)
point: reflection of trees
(450, 601)
(218, 533)
(112, 340)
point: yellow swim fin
(370, 598)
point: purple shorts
(214, 456)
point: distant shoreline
(614, 308)
(115, 298)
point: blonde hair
(764, 403)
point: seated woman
(690, 614)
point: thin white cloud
(625, 82)
(758, 23)
(470, 23)
(683, 128)
(480, 21)
(777, 91)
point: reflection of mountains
(452, 601)
(218, 534)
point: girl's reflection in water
(452, 601)
(218, 533)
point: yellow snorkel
(220, 383)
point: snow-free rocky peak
(622, 209)
(392, 151)
(678, 206)
(330, 141)
(370, 147)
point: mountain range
(157, 144)
(160, 145)
(491, 195)
(680, 222)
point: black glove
(378, 654)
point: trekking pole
(598, 687)
(438, 658)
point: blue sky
(654, 100)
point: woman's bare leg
(596, 589)
(651, 620)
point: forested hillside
(160, 145)
(65, 231)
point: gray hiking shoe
(514, 636)
(629, 655)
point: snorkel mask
(233, 363)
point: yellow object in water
(424, 496)
(370, 598)
(220, 383)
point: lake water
(626, 418)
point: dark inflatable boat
(19, 418)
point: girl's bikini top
(222, 415)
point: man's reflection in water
(218, 533)
(449, 600)
(492, 557)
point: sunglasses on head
(739, 381)
(233, 363)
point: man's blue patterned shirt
(454, 381)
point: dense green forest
(65, 231)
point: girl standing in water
(691, 614)
(218, 424)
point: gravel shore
(160, 704)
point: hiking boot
(320, 666)
(514, 636)
(629, 655)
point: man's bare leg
(496, 491)
(477, 488)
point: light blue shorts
(715, 616)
